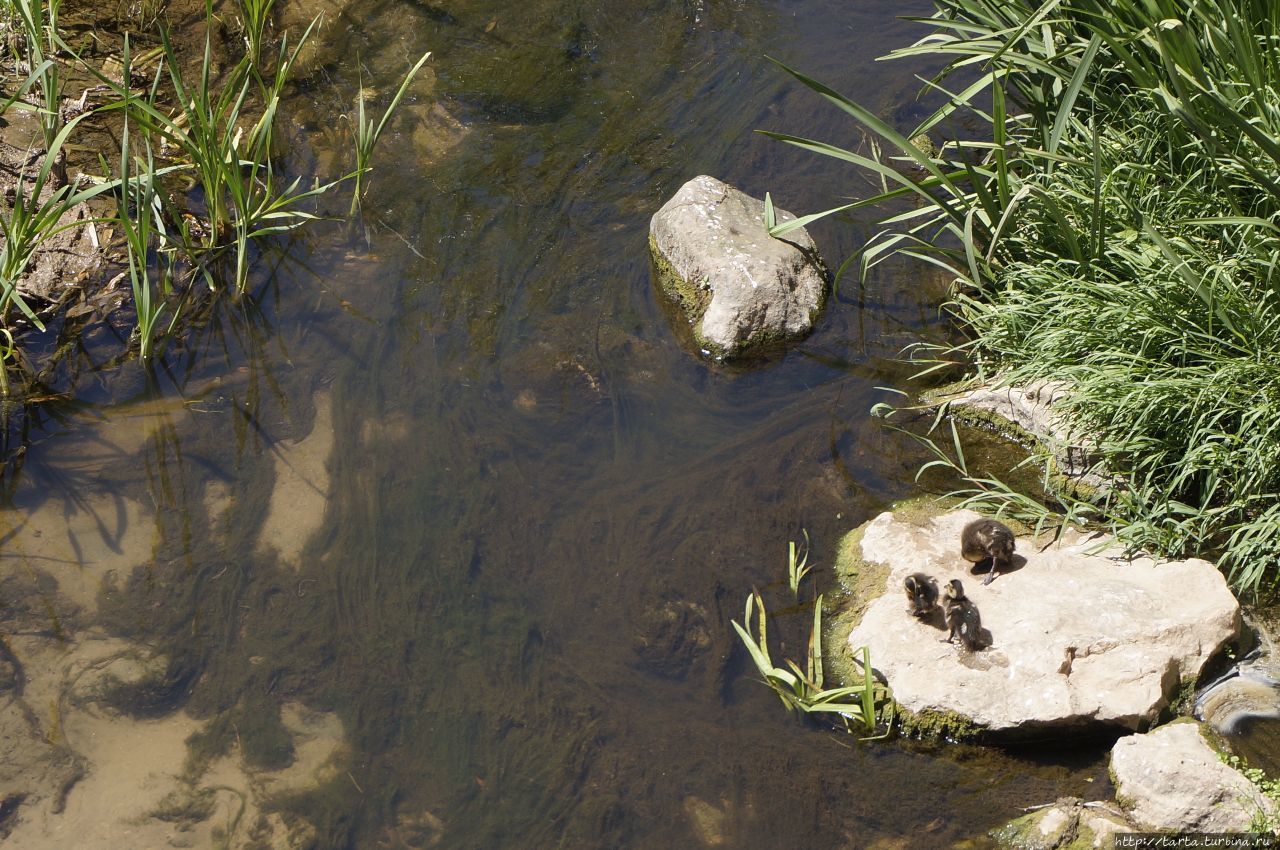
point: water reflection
(451, 524)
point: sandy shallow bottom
(301, 490)
(89, 777)
(74, 770)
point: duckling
(922, 594)
(986, 539)
(961, 616)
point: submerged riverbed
(436, 541)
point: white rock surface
(1077, 639)
(1171, 779)
(738, 286)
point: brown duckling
(922, 594)
(986, 539)
(961, 616)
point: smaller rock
(1172, 779)
(739, 289)
(710, 822)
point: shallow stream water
(460, 486)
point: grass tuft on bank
(1116, 226)
(197, 181)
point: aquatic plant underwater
(1113, 227)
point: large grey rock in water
(1077, 639)
(1171, 779)
(739, 288)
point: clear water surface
(536, 512)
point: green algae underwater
(453, 482)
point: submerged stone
(739, 289)
(1075, 638)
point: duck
(986, 539)
(922, 594)
(962, 618)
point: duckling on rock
(961, 616)
(986, 539)
(922, 594)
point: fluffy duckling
(986, 539)
(961, 616)
(922, 594)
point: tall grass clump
(223, 131)
(1115, 228)
(199, 190)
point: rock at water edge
(1077, 638)
(1171, 779)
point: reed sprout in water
(255, 16)
(1116, 230)
(865, 704)
(367, 132)
(797, 564)
(140, 217)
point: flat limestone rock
(1076, 639)
(1171, 779)
(739, 288)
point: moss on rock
(937, 725)
(690, 297)
(863, 582)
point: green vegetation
(367, 133)
(38, 26)
(138, 193)
(36, 214)
(1115, 228)
(197, 188)
(797, 564)
(1263, 821)
(255, 16)
(242, 197)
(865, 705)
